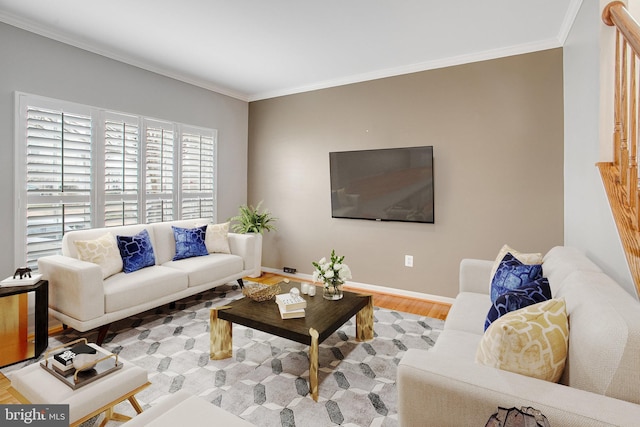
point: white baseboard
(368, 287)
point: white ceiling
(257, 49)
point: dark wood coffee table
(322, 318)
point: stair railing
(620, 177)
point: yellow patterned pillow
(531, 341)
(528, 259)
(217, 239)
(102, 251)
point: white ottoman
(32, 384)
(183, 409)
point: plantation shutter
(58, 178)
(78, 166)
(198, 173)
(159, 171)
(121, 180)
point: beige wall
(497, 131)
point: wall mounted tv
(393, 184)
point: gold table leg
(313, 364)
(220, 340)
(364, 321)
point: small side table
(14, 322)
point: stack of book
(63, 362)
(291, 306)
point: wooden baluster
(617, 125)
(633, 140)
(624, 149)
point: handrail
(615, 14)
(621, 177)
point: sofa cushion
(561, 261)
(529, 294)
(204, 269)
(525, 258)
(459, 344)
(512, 274)
(217, 239)
(136, 251)
(102, 251)
(189, 242)
(604, 339)
(123, 291)
(531, 341)
(468, 313)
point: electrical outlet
(289, 270)
(408, 260)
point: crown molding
(415, 68)
(32, 27)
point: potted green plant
(251, 220)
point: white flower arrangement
(333, 272)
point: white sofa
(80, 298)
(601, 380)
(181, 408)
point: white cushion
(604, 336)
(125, 290)
(468, 313)
(561, 261)
(205, 269)
(102, 251)
(458, 344)
(217, 238)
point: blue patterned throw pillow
(136, 251)
(529, 294)
(512, 274)
(190, 242)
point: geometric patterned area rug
(266, 380)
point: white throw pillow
(217, 239)
(528, 259)
(102, 251)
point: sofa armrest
(475, 275)
(76, 287)
(243, 245)
(446, 390)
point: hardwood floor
(417, 306)
(421, 307)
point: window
(80, 167)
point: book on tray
(63, 361)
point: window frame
(97, 194)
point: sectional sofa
(600, 382)
(85, 295)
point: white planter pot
(258, 256)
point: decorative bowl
(259, 292)
(85, 361)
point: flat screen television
(392, 184)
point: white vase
(257, 268)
